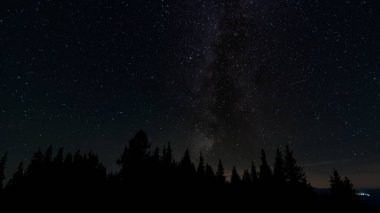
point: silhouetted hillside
(154, 176)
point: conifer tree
(2, 170)
(201, 165)
(278, 169)
(186, 165)
(221, 178)
(341, 188)
(235, 178)
(167, 155)
(58, 159)
(17, 178)
(246, 178)
(295, 176)
(265, 174)
(209, 173)
(253, 173)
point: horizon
(318, 181)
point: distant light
(363, 194)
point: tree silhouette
(16, 182)
(342, 190)
(209, 173)
(167, 155)
(36, 164)
(279, 168)
(336, 183)
(246, 177)
(221, 178)
(142, 173)
(295, 176)
(254, 176)
(68, 160)
(156, 155)
(48, 155)
(58, 159)
(122, 161)
(2, 170)
(235, 178)
(139, 146)
(136, 155)
(201, 165)
(186, 165)
(265, 174)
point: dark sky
(226, 80)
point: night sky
(226, 80)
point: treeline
(157, 176)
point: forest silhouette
(148, 176)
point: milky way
(227, 80)
(226, 104)
(288, 73)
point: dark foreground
(154, 180)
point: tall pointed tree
(17, 178)
(123, 158)
(36, 163)
(139, 146)
(279, 168)
(235, 178)
(220, 177)
(341, 189)
(58, 159)
(265, 174)
(246, 178)
(186, 164)
(253, 173)
(2, 170)
(167, 155)
(68, 160)
(209, 172)
(295, 176)
(48, 157)
(136, 154)
(156, 155)
(201, 165)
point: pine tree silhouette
(279, 168)
(220, 177)
(58, 159)
(135, 156)
(156, 155)
(201, 165)
(48, 155)
(342, 190)
(16, 182)
(265, 174)
(2, 170)
(83, 176)
(167, 155)
(246, 177)
(209, 173)
(254, 176)
(235, 178)
(295, 176)
(68, 160)
(186, 165)
(36, 163)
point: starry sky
(223, 77)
